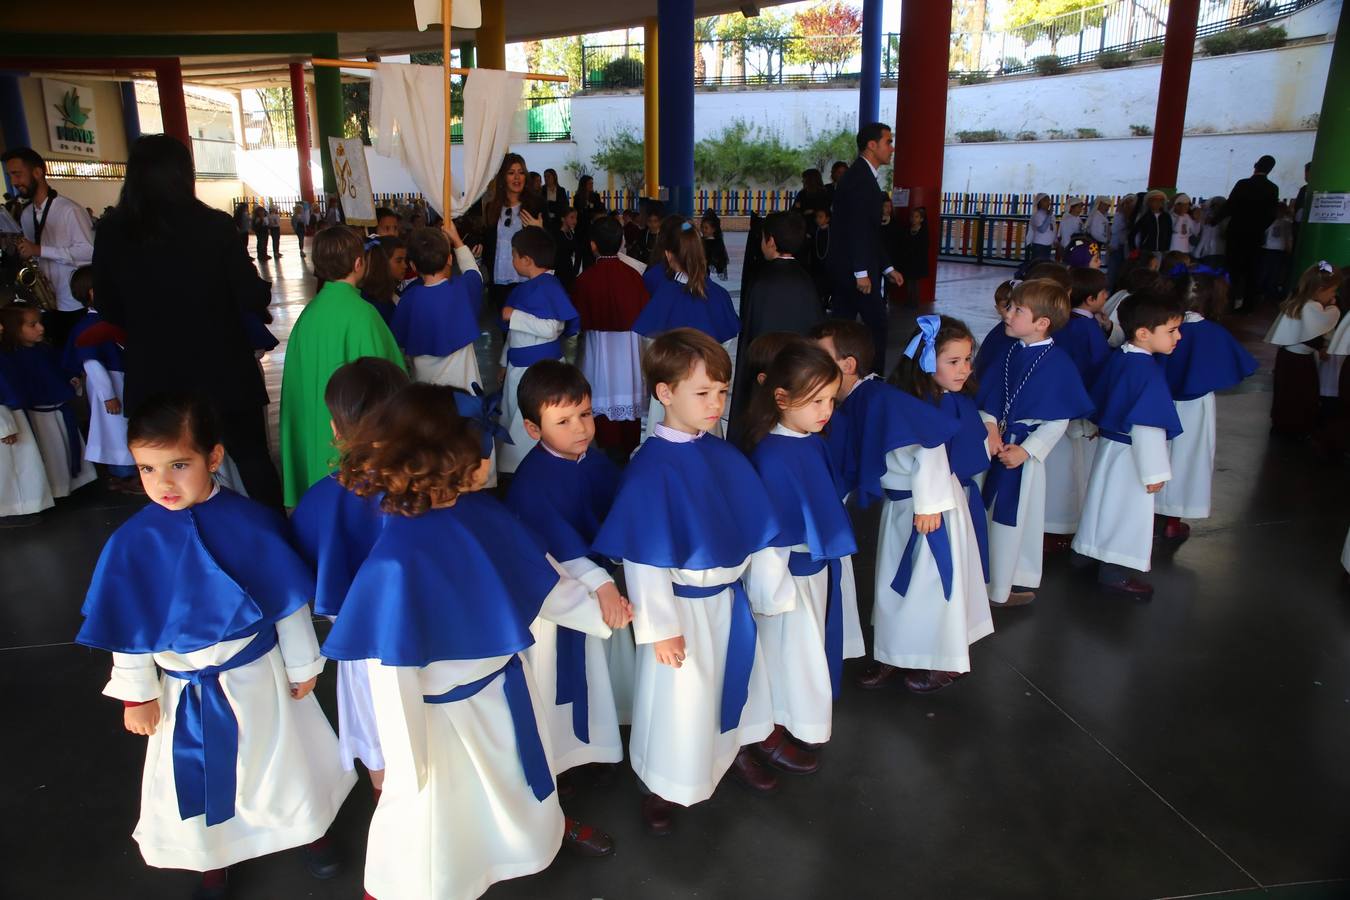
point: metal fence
(284, 203)
(1116, 26)
(214, 158)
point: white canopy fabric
(407, 108)
(466, 13)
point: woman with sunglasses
(508, 207)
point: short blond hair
(672, 357)
(1046, 299)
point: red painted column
(1173, 85)
(301, 130)
(172, 107)
(921, 117)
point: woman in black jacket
(554, 196)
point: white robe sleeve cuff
(8, 426)
(768, 582)
(656, 615)
(571, 605)
(1041, 441)
(1148, 445)
(932, 482)
(134, 678)
(299, 646)
(464, 257)
(524, 323)
(587, 572)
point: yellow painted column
(490, 41)
(651, 123)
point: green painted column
(328, 107)
(468, 55)
(1330, 162)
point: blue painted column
(13, 123)
(869, 81)
(675, 81)
(131, 116)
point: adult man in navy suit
(857, 259)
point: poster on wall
(72, 126)
(353, 180)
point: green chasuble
(337, 327)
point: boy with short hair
(563, 490)
(1026, 399)
(537, 317)
(436, 321)
(387, 223)
(1068, 465)
(1135, 419)
(690, 519)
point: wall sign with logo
(72, 126)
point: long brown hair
(910, 377)
(529, 199)
(800, 369)
(378, 282)
(1314, 279)
(415, 449)
(686, 248)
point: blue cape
(11, 394)
(883, 418)
(695, 505)
(544, 297)
(800, 480)
(992, 348)
(966, 451)
(464, 582)
(38, 376)
(184, 580)
(1207, 359)
(1133, 391)
(1054, 390)
(564, 501)
(672, 306)
(843, 462)
(655, 275)
(334, 531)
(259, 335)
(107, 352)
(386, 309)
(1083, 340)
(438, 320)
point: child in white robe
(203, 586)
(803, 649)
(23, 478)
(468, 797)
(436, 320)
(932, 603)
(1135, 419)
(101, 365)
(1300, 331)
(690, 519)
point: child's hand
(928, 523)
(75, 383)
(995, 439)
(448, 226)
(1154, 488)
(143, 719)
(506, 312)
(113, 406)
(615, 609)
(670, 652)
(301, 691)
(9, 440)
(1013, 456)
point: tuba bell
(32, 284)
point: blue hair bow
(485, 411)
(685, 226)
(1202, 269)
(372, 242)
(1178, 270)
(925, 343)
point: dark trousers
(1244, 270)
(245, 439)
(299, 235)
(261, 235)
(59, 325)
(276, 241)
(847, 303)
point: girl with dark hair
(931, 602)
(440, 611)
(658, 270)
(804, 649)
(554, 196)
(239, 665)
(508, 207)
(714, 245)
(913, 260)
(386, 267)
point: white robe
(358, 735)
(676, 745)
(107, 432)
(49, 428)
(612, 363)
(1117, 525)
(456, 814)
(1066, 475)
(459, 369)
(605, 745)
(621, 660)
(1016, 553)
(290, 783)
(793, 645)
(923, 629)
(23, 478)
(1187, 494)
(526, 331)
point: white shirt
(274, 220)
(67, 243)
(502, 270)
(661, 430)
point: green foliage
(1032, 19)
(621, 154)
(356, 111)
(1141, 130)
(1057, 134)
(974, 77)
(1151, 50)
(1263, 38)
(825, 147)
(764, 33)
(1047, 65)
(1027, 136)
(741, 153)
(1012, 64)
(981, 136)
(1221, 44)
(1114, 59)
(1085, 133)
(623, 71)
(576, 168)
(827, 36)
(559, 56)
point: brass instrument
(32, 284)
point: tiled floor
(1191, 746)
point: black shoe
(321, 859)
(215, 885)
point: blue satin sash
(573, 687)
(524, 357)
(979, 519)
(1003, 486)
(741, 647)
(802, 565)
(939, 542)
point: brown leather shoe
(751, 773)
(1176, 530)
(1017, 598)
(928, 682)
(1133, 587)
(585, 840)
(658, 814)
(877, 675)
(786, 755)
(1056, 543)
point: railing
(214, 158)
(319, 208)
(1116, 26)
(547, 118)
